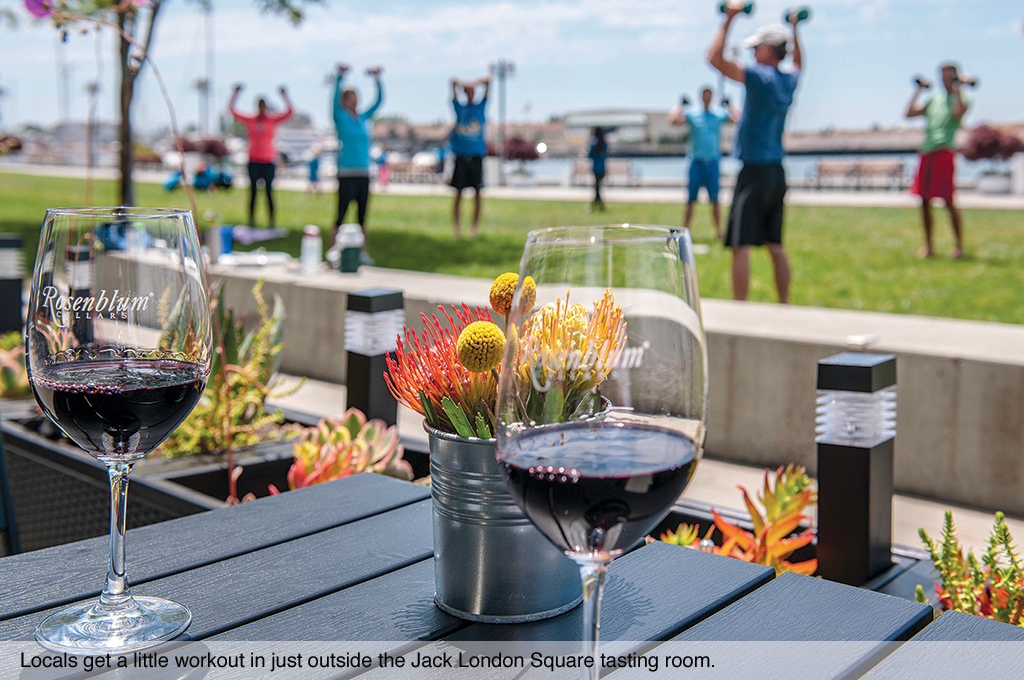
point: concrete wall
(961, 383)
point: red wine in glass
(119, 408)
(598, 487)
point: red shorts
(935, 175)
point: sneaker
(364, 258)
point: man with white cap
(755, 217)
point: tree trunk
(128, 74)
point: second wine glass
(118, 349)
(602, 399)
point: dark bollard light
(12, 271)
(372, 324)
(856, 430)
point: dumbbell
(748, 7)
(802, 14)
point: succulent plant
(772, 541)
(340, 448)
(13, 375)
(993, 588)
(232, 408)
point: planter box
(264, 464)
(61, 494)
(910, 568)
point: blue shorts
(704, 174)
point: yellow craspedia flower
(505, 286)
(528, 295)
(480, 346)
(501, 292)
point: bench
(618, 172)
(407, 172)
(859, 174)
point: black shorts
(755, 217)
(469, 172)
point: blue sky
(569, 55)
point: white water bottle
(311, 250)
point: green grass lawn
(850, 258)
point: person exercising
(936, 167)
(705, 152)
(261, 129)
(756, 215)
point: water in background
(798, 168)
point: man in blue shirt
(705, 150)
(469, 147)
(755, 217)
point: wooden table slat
(926, 656)
(796, 607)
(235, 591)
(649, 594)
(396, 606)
(29, 582)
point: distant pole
(63, 80)
(204, 85)
(502, 69)
(210, 92)
(203, 88)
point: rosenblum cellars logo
(68, 308)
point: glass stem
(592, 573)
(115, 595)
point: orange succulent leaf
(806, 568)
(755, 515)
(786, 547)
(728, 530)
(767, 498)
(784, 528)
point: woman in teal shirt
(353, 149)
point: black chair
(8, 531)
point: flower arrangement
(993, 588)
(771, 543)
(565, 353)
(449, 373)
(341, 448)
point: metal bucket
(490, 563)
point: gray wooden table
(351, 561)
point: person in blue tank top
(353, 149)
(598, 154)
(755, 217)
(705, 151)
(469, 146)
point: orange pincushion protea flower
(426, 369)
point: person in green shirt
(943, 114)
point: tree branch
(149, 32)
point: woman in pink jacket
(262, 150)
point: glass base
(90, 629)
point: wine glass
(118, 347)
(602, 397)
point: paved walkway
(648, 194)
(715, 481)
